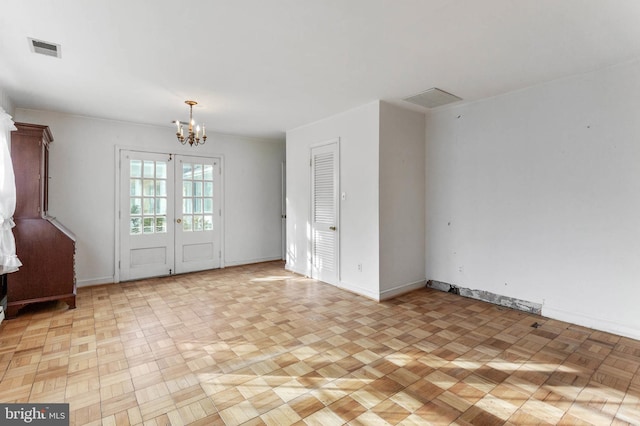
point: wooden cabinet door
(28, 148)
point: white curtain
(8, 260)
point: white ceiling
(260, 67)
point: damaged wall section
(485, 296)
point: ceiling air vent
(44, 47)
(433, 98)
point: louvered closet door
(324, 212)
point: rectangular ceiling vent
(44, 47)
(433, 98)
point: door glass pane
(161, 206)
(148, 187)
(197, 189)
(197, 205)
(187, 223)
(208, 189)
(136, 206)
(134, 226)
(161, 224)
(208, 205)
(136, 187)
(208, 223)
(161, 188)
(149, 171)
(187, 205)
(187, 173)
(198, 223)
(147, 227)
(135, 168)
(148, 206)
(208, 172)
(161, 170)
(197, 172)
(187, 189)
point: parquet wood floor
(257, 345)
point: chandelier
(193, 137)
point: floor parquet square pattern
(258, 345)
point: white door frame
(117, 151)
(335, 142)
(283, 208)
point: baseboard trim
(305, 273)
(110, 280)
(486, 296)
(360, 291)
(250, 261)
(591, 322)
(401, 289)
(95, 281)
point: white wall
(358, 133)
(6, 103)
(402, 200)
(536, 195)
(82, 186)
(253, 198)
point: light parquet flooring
(257, 345)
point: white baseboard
(250, 261)
(94, 281)
(401, 289)
(342, 284)
(592, 322)
(359, 290)
(377, 296)
(288, 267)
(111, 279)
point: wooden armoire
(45, 247)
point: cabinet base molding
(14, 307)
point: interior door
(146, 215)
(324, 212)
(198, 203)
(170, 214)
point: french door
(197, 202)
(324, 213)
(170, 214)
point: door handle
(178, 220)
(333, 228)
